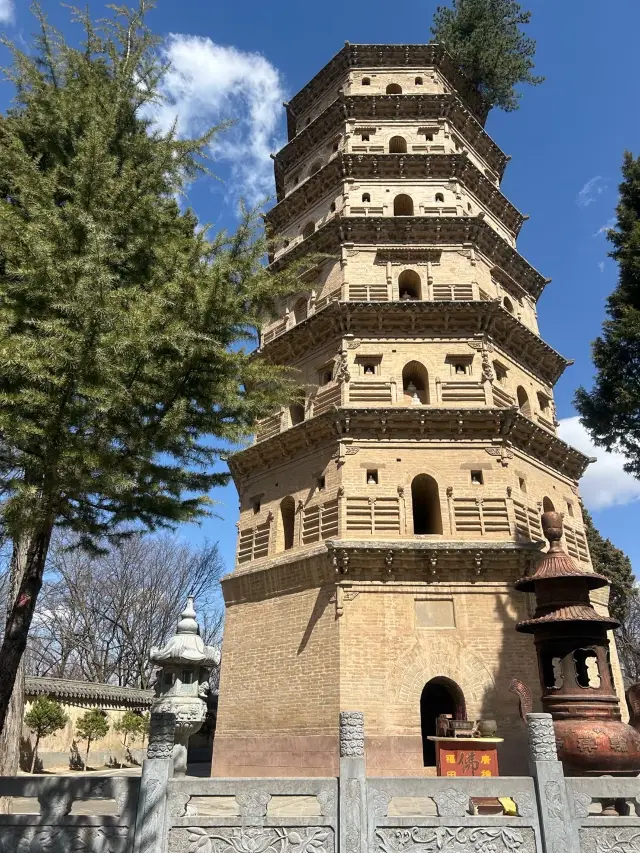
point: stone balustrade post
(556, 827)
(353, 782)
(157, 769)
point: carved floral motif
(610, 840)
(451, 803)
(55, 839)
(454, 839)
(542, 737)
(233, 839)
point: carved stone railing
(44, 814)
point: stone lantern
(182, 684)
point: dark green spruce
(611, 409)
(484, 38)
(125, 327)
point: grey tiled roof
(64, 688)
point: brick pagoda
(385, 515)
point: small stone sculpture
(183, 682)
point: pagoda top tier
(371, 56)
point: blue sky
(241, 60)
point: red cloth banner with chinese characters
(467, 760)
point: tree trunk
(34, 757)
(27, 568)
(86, 755)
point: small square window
(501, 373)
(522, 484)
(372, 477)
(570, 509)
(325, 376)
(543, 402)
(321, 483)
(477, 477)
(255, 505)
(365, 137)
(369, 369)
(460, 369)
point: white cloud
(6, 11)
(594, 187)
(601, 266)
(604, 228)
(605, 482)
(209, 83)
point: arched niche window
(366, 198)
(409, 285)
(403, 205)
(366, 81)
(394, 89)
(508, 304)
(315, 167)
(415, 383)
(300, 310)
(287, 524)
(547, 505)
(418, 81)
(440, 697)
(308, 229)
(440, 198)
(397, 145)
(425, 501)
(296, 413)
(523, 402)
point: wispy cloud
(604, 228)
(209, 83)
(591, 190)
(601, 266)
(6, 11)
(605, 482)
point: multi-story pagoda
(385, 517)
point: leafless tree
(99, 616)
(628, 640)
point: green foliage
(485, 40)
(611, 410)
(614, 564)
(131, 726)
(45, 717)
(91, 726)
(124, 325)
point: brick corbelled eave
(405, 423)
(437, 319)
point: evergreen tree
(485, 40)
(614, 564)
(45, 717)
(611, 410)
(92, 725)
(124, 325)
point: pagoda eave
(384, 56)
(430, 319)
(344, 167)
(410, 423)
(428, 107)
(415, 231)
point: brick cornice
(416, 56)
(393, 167)
(444, 320)
(419, 231)
(402, 423)
(339, 562)
(372, 108)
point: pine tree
(614, 564)
(45, 717)
(611, 410)
(485, 40)
(92, 725)
(124, 326)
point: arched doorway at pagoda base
(439, 696)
